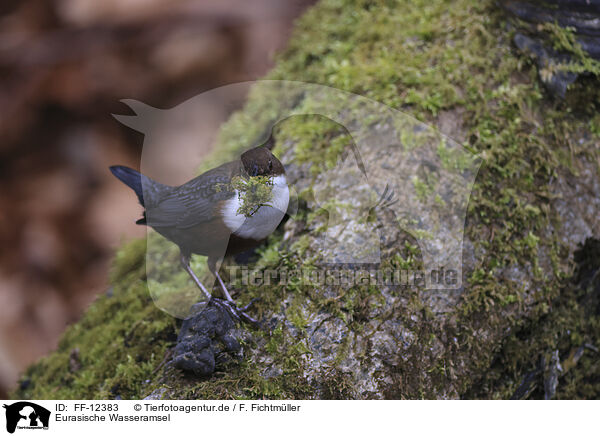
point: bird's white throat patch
(264, 221)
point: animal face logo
(394, 164)
(26, 415)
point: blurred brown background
(64, 66)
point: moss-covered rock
(535, 200)
(562, 37)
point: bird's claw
(239, 314)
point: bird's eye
(270, 165)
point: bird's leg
(233, 310)
(213, 268)
(240, 313)
(185, 261)
(225, 292)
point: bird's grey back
(193, 202)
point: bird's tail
(135, 180)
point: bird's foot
(239, 314)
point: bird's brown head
(260, 161)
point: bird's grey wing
(192, 203)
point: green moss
(407, 258)
(128, 259)
(169, 285)
(571, 323)
(453, 159)
(424, 188)
(563, 39)
(253, 191)
(317, 139)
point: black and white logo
(26, 415)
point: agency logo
(26, 416)
(393, 178)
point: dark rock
(546, 58)
(580, 16)
(206, 338)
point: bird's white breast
(264, 221)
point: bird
(217, 209)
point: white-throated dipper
(213, 210)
